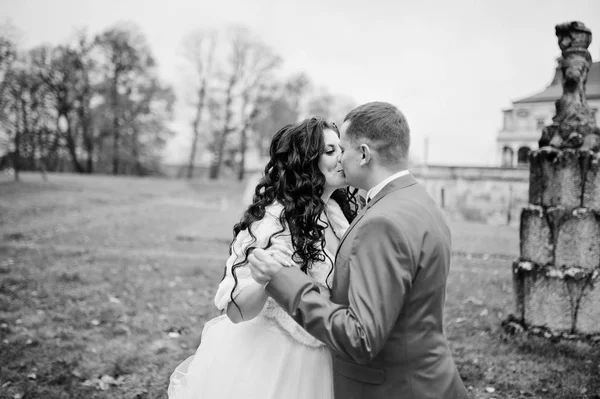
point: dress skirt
(253, 360)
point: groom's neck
(379, 174)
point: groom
(384, 322)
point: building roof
(555, 90)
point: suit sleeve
(381, 272)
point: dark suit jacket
(384, 322)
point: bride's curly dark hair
(292, 177)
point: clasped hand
(265, 263)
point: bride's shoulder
(274, 209)
(336, 215)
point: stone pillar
(556, 279)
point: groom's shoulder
(405, 204)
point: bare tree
(20, 89)
(283, 108)
(146, 109)
(199, 50)
(86, 68)
(257, 89)
(330, 106)
(7, 59)
(58, 68)
(237, 60)
(249, 79)
(63, 102)
(127, 56)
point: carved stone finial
(573, 35)
(574, 125)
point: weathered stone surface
(546, 301)
(556, 281)
(547, 159)
(591, 191)
(536, 178)
(556, 216)
(536, 236)
(578, 240)
(519, 289)
(588, 315)
(574, 125)
(561, 179)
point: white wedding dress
(270, 356)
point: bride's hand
(281, 253)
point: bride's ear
(365, 152)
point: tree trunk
(192, 161)
(135, 151)
(243, 147)
(17, 153)
(86, 130)
(88, 141)
(54, 152)
(195, 126)
(244, 143)
(215, 167)
(71, 145)
(115, 163)
(26, 137)
(90, 161)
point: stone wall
(480, 194)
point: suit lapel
(396, 184)
(356, 219)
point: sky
(450, 66)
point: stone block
(588, 315)
(577, 241)
(546, 301)
(536, 178)
(561, 178)
(519, 289)
(591, 190)
(556, 217)
(536, 236)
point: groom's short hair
(384, 127)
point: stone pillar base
(558, 301)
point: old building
(524, 121)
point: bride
(255, 350)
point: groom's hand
(263, 265)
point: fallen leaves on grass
(103, 383)
(474, 301)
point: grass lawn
(106, 283)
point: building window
(523, 119)
(523, 156)
(541, 122)
(507, 157)
(508, 120)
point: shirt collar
(375, 190)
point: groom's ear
(365, 154)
